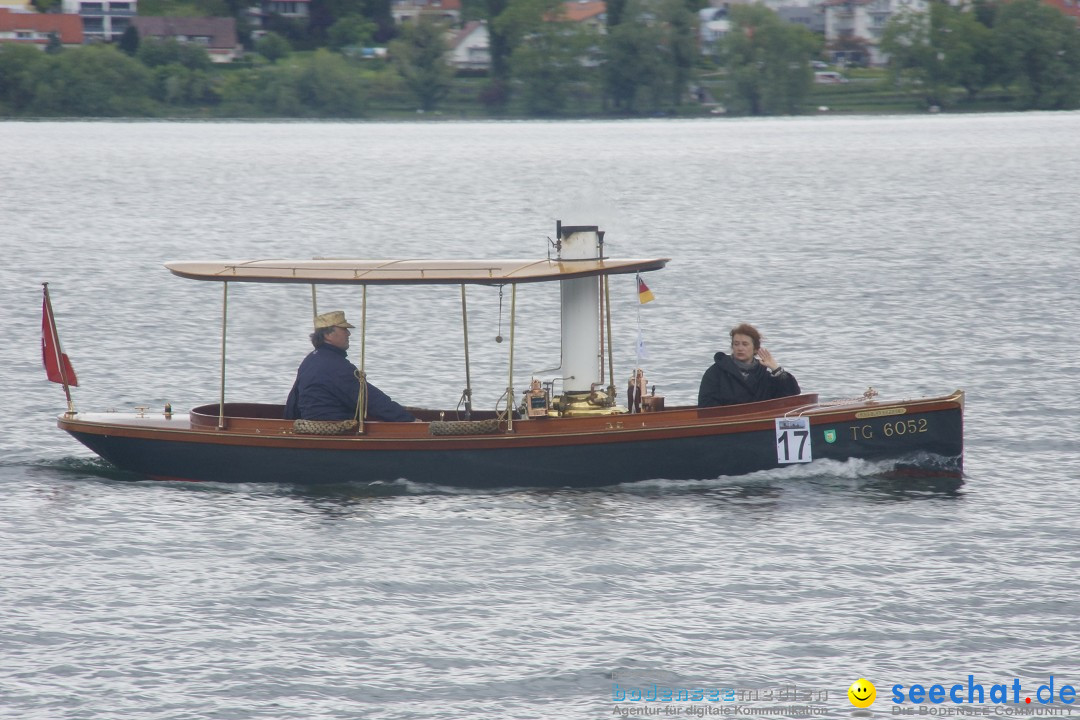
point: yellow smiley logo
(862, 693)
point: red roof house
(1069, 7)
(36, 28)
(216, 35)
(590, 12)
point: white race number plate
(793, 440)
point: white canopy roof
(335, 271)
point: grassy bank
(868, 92)
(376, 92)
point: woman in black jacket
(749, 374)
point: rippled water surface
(915, 255)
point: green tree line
(1024, 45)
(646, 60)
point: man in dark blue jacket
(749, 374)
(327, 385)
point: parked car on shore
(829, 78)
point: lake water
(912, 254)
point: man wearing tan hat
(327, 385)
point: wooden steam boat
(581, 436)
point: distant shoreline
(437, 118)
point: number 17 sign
(793, 440)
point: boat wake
(911, 475)
(95, 467)
(914, 475)
(904, 476)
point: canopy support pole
(610, 342)
(224, 325)
(600, 339)
(314, 304)
(362, 410)
(468, 375)
(510, 386)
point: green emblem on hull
(830, 436)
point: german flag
(644, 294)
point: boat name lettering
(864, 431)
(896, 428)
(904, 427)
(880, 413)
